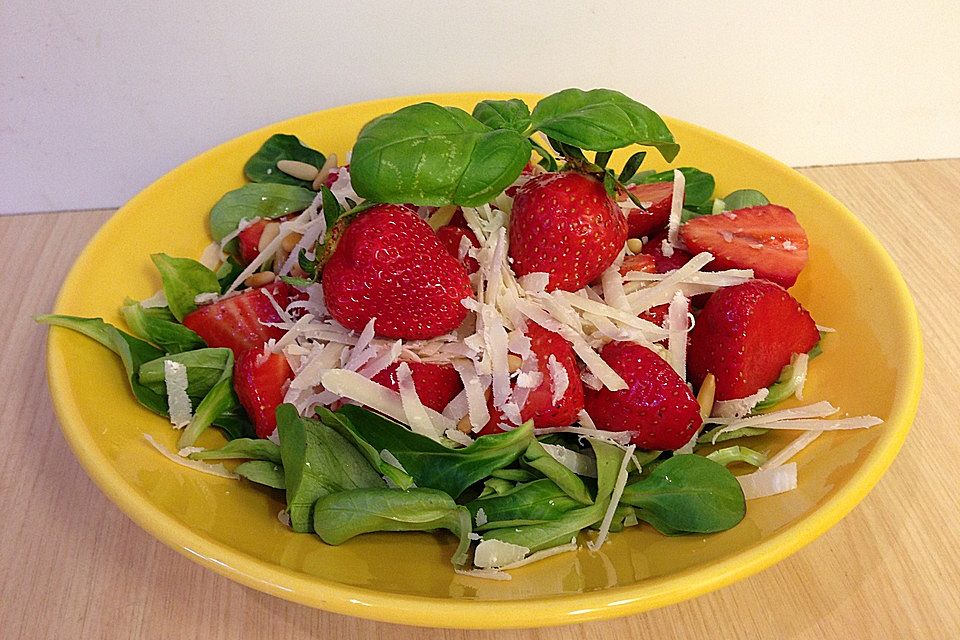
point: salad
(478, 325)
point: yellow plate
(871, 365)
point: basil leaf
(430, 463)
(243, 448)
(342, 425)
(183, 280)
(743, 198)
(133, 353)
(569, 482)
(205, 368)
(531, 503)
(699, 184)
(426, 154)
(159, 326)
(631, 166)
(602, 120)
(262, 472)
(256, 200)
(503, 114)
(687, 493)
(341, 516)
(262, 166)
(317, 461)
(228, 272)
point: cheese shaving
(577, 462)
(559, 380)
(770, 482)
(494, 554)
(180, 407)
(792, 449)
(614, 501)
(739, 407)
(543, 553)
(413, 409)
(677, 339)
(485, 574)
(216, 469)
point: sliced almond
(297, 169)
(270, 232)
(260, 279)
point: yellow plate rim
(450, 613)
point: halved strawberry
(766, 238)
(237, 322)
(745, 335)
(657, 406)
(539, 405)
(644, 223)
(654, 248)
(639, 262)
(451, 236)
(437, 384)
(248, 241)
(259, 380)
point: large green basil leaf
(687, 493)
(183, 280)
(159, 326)
(426, 154)
(602, 120)
(430, 463)
(503, 114)
(698, 188)
(262, 166)
(341, 516)
(530, 503)
(317, 461)
(257, 200)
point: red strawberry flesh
(436, 384)
(259, 381)
(745, 335)
(642, 223)
(236, 322)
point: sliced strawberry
(458, 220)
(451, 236)
(767, 239)
(644, 223)
(437, 384)
(745, 335)
(540, 406)
(249, 241)
(259, 380)
(657, 315)
(657, 405)
(664, 264)
(640, 262)
(237, 322)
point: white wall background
(98, 99)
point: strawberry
(450, 237)
(657, 315)
(745, 335)
(259, 381)
(639, 262)
(765, 238)
(388, 264)
(654, 248)
(540, 406)
(644, 223)
(566, 225)
(249, 241)
(437, 384)
(237, 322)
(657, 406)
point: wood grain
(73, 566)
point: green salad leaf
(243, 449)
(205, 368)
(342, 425)
(426, 154)
(699, 184)
(317, 461)
(262, 166)
(743, 198)
(183, 280)
(533, 502)
(159, 326)
(263, 472)
(503, 114)
(256, 200)
(343, 515)
(569, 482)
(430, 463)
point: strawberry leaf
(332, 210)
(631, 166)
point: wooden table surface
(73, 566)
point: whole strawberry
(657, 405)
(566, 225)
(389, 265)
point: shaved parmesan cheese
(662, 292)
(212, 256)
(676, 209)
(584, 418)
(617, 437)
(485, 574)
(157, 300)
(458, 436)
(534, 282)
(614, 501)
(559, 380)
(284, 517)
(360, 354)
(206, 298)
(677, 340)
(791, 450)
(770, 482)
(458, 407)
(481, 517)
(494, 554)
(543, 553)
(811, 417)
(823, 329)
(613, 292)
(597, 365)
(211, 469)
(739, 407)
(413, 409)
(800, 364)
(175, 379)
(475, 388)
(391, 460)
(577, 462)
